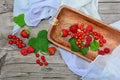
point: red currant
(10, 36)
(10, 42)
(106, 50)
(101, 52)
(37, 55)
(46, 63)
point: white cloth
(35, 11)
(40, 9)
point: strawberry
(30, 49)
(65, 32)
(24, 52)
(51, 50)
(24, 33)
(89, 28)
(73, 28)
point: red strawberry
(24, 33)
(24, 52)
(73, 28)
(89, 28)
(106, 50)
(51, 50)
(65, 32)
(30, 49)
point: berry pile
(86, 37)
(16, 40)
(25, 49)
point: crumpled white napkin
(35, 11)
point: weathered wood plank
(110, 18)
(43, 77)
(113, 8)
(109, 1)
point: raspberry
(101, 52)
(89, 39)
(106, 50)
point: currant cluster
(84, 35)
(16, 40)
(41, 60)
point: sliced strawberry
(51, 50)
(65, 33)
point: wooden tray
(67, 16)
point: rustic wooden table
(14, 66)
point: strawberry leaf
(75, 48)
(40, 43)
(19, 20)
(94, 45)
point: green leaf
(42, 34)
(94, 45)
(84, 51)
(19, 20)
(40, 43)
(75, 48)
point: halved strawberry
(65, 32)
(51, 50)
